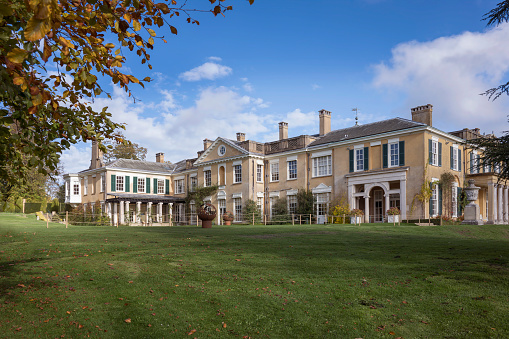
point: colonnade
(498, 203)
(118, 211)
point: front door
(222, 210)
(378, 203)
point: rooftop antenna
(356, 110)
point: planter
(356, 219)
(393, 218)
(207, 213)
(228, 217)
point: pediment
(322, 188)
(221, 149)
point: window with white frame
(474, 162)
(274, 171)
(120, 183)
(141, 185)
(160, 186)
(394, 154)
(434, 199)
(292, 203)
(103, 182)
(179, 186)
(194, 183)
(455, 162)
(259, 173)
(207, 178)
(292, 169)
(237, 174)
(322, 203)
(322, 166)
(259, 204)
(85, 186)
(237, 207)
(434, 152)
(359, 159)
(487, 168)
(76, 189)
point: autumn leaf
(36, 29)
(17, 55)
(191, 332)
(128, 320)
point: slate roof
(142, 165)
(359, 131)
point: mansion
(375, 166)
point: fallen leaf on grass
(128, 320)
(224, 325)
(191, 332)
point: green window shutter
(471, 162)
(440, 154)
(366, 158)
(452, 158)
(113, 183)
(439, 200)
(459, 160)
(402, 153)
(147, 185)
(155, 186)
(430, 151)
(167, 186)
(127, 183)
(350, 153)
(135, 184)
(385, 155)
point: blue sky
(285, 60)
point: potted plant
(393, 214)
(228, 217)
(207, 212)
(356, 216)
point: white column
(492, 203)
(500, 208)
(387, 203)
(108, 210)
(138, 211)
(402, 198)
(351, 199)
(160, 211)
(170, 212)
(127, 211)
(149, 211)
(121, 203)
(506, 201)
(115, 214)
(366, 209)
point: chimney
(97, 156)
(206, 143)
(423, 114)
(283, 130)
(324, 122)
(241, 136)
(159, 157)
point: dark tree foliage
(495, 153)
(125, 150)
(495, 17)
(305, 202)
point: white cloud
(451, 73)
(179, 131)
(214, 58)
(208, 71)
(76, 159)
(315, 86)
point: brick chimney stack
(325, 117)
(97, 156)
(241, 136)
(283, 130)
(159, 157)
(423, 114)
(206, 143)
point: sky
(285, 60)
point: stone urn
(472, 210)
(207, 212)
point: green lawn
(312, 281)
